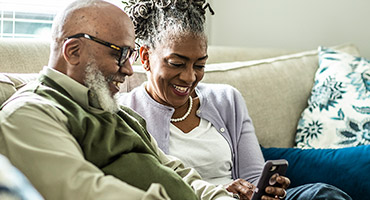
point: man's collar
(78, 92)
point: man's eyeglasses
(126, 53)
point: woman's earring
(146, 66)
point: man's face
(103, 72)
(100, 42)
(109, 62)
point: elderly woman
(207, 126)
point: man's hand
(242, 188)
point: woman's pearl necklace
(186, 114)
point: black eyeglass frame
(129, 51)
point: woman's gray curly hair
(159, 20)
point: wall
(290, 24)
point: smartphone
(270, 168)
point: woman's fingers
(275, 192)
(283, 181)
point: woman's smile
(181, 90)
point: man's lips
(116, 80)
(117, 83)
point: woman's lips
(181, 90)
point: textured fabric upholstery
(221, 54)
(275, 89)
(23, 55)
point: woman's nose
(188, 75)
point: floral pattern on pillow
(338, 112)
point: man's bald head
(94, 17)
(88, 16)
(94, 63)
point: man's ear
(144, 56)
(72, 51)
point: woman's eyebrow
(204, 57)
(186, 58)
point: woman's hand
(277, 192)
(242, 188)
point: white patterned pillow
(338, 112)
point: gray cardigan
(220, 104)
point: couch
(275, 84)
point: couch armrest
(11, 82)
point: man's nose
(126, 68)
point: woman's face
(175, 68)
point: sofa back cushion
(19, 60)
(222, 54)
(23, 55)
(275, 90)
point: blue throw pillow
(346, 168)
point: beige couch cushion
(276, 91)
(23, 55)
(221, 54)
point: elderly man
(67, 134)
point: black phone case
(270, 168)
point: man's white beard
(99, 88)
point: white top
(204, 149)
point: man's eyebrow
(186, 58)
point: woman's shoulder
(217, 89)
(220, 95)
(127, 97)
(221, 98)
